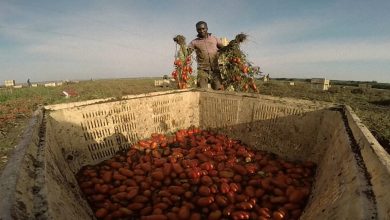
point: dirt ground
(17, 105)
(10, 138)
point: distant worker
(28, 83)
(206, 47)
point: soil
(10, 137)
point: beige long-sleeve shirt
(206, 52)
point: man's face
(202, 30)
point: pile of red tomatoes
(196, 174)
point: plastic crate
(162, 83)
(352, 179)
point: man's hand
(180, 39)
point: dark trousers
(208, 76)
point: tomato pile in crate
(196, 174)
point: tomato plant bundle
(236, 70)
(196, 174)
(182, 64)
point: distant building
(320, 83)
(9, 83)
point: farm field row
(17, 105)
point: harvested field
(17, 105)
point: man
(206, 47)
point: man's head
(201, 28)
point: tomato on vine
(237, 72)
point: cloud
(86, 44)
(270, 44)
(336, 60)
(280, 29)
(109, 40)
(314, 52)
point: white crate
(320, 84)
(162, 82)
(352, 166)
(9, 83)
(52, 84)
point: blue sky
(76, 39)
